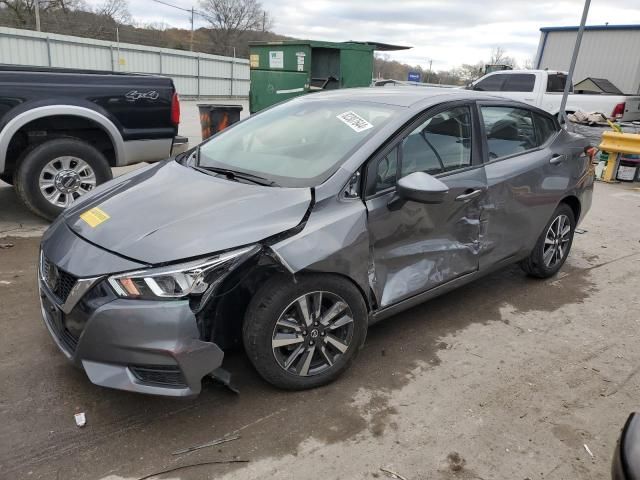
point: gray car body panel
(397, 257)
(79, 257)
(156, 217)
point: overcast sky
(449, 32)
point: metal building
(607, 51)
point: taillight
(618, 111)
(175, 109)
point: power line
(190, 10)
(173, 6)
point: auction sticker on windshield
(94, 217)
(355, 121)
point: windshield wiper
(235, 175)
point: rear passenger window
(508, 130)
(545, 128)
(519, 82)
(440, 144)
(556, 82)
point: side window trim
(477, 150)
(483, 137)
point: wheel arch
(23, 119)
(574, 203)
(222, 319)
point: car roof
(404, 96)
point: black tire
(272, 300)
(535, 264)
(34, 161)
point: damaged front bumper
(143, 346)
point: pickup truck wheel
(305, 334)
(56, 173)
(552, 248)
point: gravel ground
(512, 374)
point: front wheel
(304, 334)
(552, 248)
(54, 174)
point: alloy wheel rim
(64, 179)
(556, 241)
(312, 333)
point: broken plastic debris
(81, 419)
(588, 450)
(392, 474)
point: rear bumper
(140, 346)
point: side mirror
(421, 187)
(626, 460)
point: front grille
(165, 375)
(55, 320)
(59, 282)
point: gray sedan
(293, 231)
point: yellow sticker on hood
(94, 217)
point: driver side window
(441, 144)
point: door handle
(557, 158)
(469, 195)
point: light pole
(574, 58)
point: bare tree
(499, 57)
(23, 11)
(229, 19)
(116, 10)
(528, 64)
(469, 72)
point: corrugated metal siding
(613, 54)
(194, 74)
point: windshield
(298, 143)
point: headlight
(177, 281)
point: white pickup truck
(544, 88)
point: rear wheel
(54, 174)
(552, 248)
(304, 334)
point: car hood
(170, 212)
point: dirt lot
(513, 374)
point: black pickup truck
(62, 130)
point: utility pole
(574, 58)
(118, 43)
(37, 9)
(264, 19)
(429, 72)
(191, 44)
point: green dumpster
(286, 69)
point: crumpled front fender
(333, 240)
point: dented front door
(419, 246)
